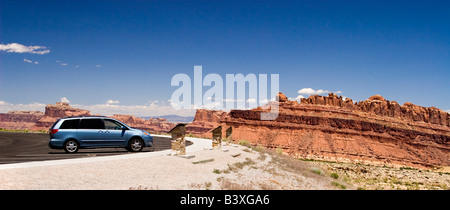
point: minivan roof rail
(81, 116)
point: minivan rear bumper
(55, 144)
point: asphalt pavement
(26, 147)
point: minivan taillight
(53, 131)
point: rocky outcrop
(57, 111)
(204, 121)
(160, 125)
(331, 100)
(333, 128)
(61, 109)
(378, 105)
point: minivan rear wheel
(71, 146)
(135, 145)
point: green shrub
(279, 151)
(337, 184)
(334, 175)
(316, 170)
(244, 143)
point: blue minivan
(73, 133)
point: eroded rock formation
(152, 124)
(330, 128)
(204, 121)
(54, 112)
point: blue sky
(122, 54)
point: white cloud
(61, 63)
(297, 98)
(310, 91)
(64, 100)
(112, 102)
(251, 100)
(6, 107)
(98, 65)
(19, 48)
(154, 108)
(30, 61)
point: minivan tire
(71, 146)
(135, 145)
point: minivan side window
(70, 124)
(92, 124)
(112, 125)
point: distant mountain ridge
(173, 118)
(35, 120)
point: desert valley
(375, 131)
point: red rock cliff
(204, 121)
(377, 105)
(57, 111)
(373, 131)
(151, 125)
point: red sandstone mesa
(330, 128)
(54, 112)
(204, 121)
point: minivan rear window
(70, 124)
(92, 124)
(55, 124)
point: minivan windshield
(112, 125)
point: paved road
(26, 147)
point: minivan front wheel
(135, 145)
(71, 146)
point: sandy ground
(237, 167)
(234, 168)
